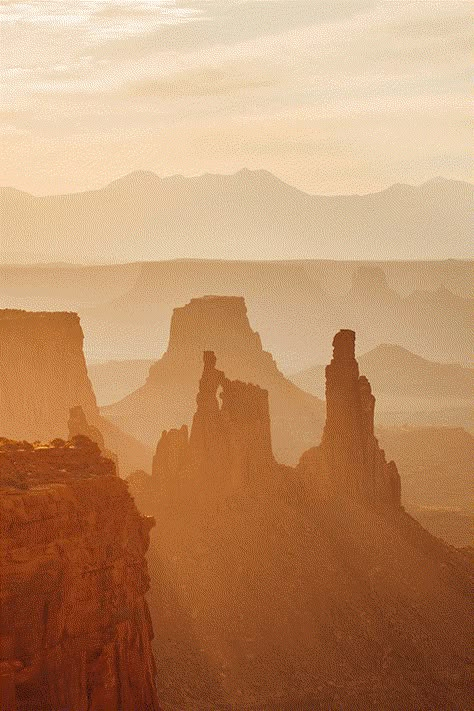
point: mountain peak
(136, 179)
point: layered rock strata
(75, 630)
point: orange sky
(330, 95)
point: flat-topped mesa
(203, 324)
(43, 373)
(219, 324)
(230, 441)
(349, 460)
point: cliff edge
(75, 632)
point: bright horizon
(331, 97)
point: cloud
(229, 22)
(282, 84)
(224, 79)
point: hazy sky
(330, 95)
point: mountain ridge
(150, 175)
(249, 215)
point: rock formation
(410, 389)
(307, 588)
(43, 375)
(76, 631)
(370, 287)
(349, 461)
(230, 441)
(219, 324)
(171, 454)
(78, 425)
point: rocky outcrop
(219, 324)
(349, 461)
(230, 440)
(171, 454)
(307, 588)
(44, 375)
(76, 631)
(78, 425)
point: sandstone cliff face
(219, 324)
(75, 631)
(349, 461)
(43, 375)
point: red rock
(230, 441)
(297, 588)
(76, 631)
(219, 324)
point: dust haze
(236, 436)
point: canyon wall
(76, 631)
(43, 375)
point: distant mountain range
(247, 215)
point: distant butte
(219, 324)
(44, 375)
